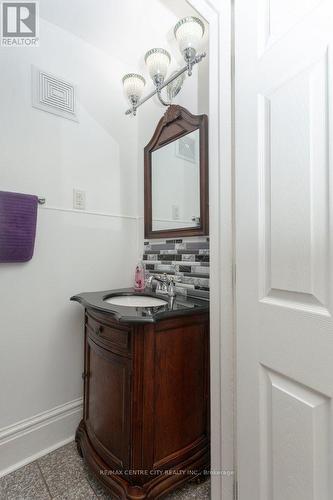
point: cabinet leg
(78, 435)
(79, 450)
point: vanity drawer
(112, 336)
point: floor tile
(100, 491)
(26, 483)
(191, 491)
(62, 475)
(62, 469)
(105, 496)
(79, 491)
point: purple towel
(18, 217)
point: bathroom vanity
(145, 426)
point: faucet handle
(149, 281)
(174, 279)
(172, 286)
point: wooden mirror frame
(177, 122)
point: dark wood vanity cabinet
(145, 428)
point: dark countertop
(175, 306)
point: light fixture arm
(160, 98)
(192, 59)
(187, 68)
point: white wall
(41, 332)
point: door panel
(293, 194)
(283, 68)
(277, 17)
(295, 424)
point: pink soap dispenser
(139, 278)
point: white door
(284, 217)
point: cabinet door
(107, 409)
(176, 412)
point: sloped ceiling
(123, 28)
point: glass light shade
(133, 85)
(189, 32)
(157, 61)
(175, 86)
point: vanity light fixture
(157, 61)
(188, 33)
(133, 86)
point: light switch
(79, 199)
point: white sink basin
(135, 301)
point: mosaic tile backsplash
(187, 258)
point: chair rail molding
(219, 15)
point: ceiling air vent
(53, 94)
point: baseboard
(36, 436)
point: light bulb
(188, 33)
(133, 86)
(157, 61)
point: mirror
(176, 184)
(176, 176)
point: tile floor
(62, 475)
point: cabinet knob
(98, 330)
(84, 375)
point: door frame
(219, 15)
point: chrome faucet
(165, 285)
(150, 282)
